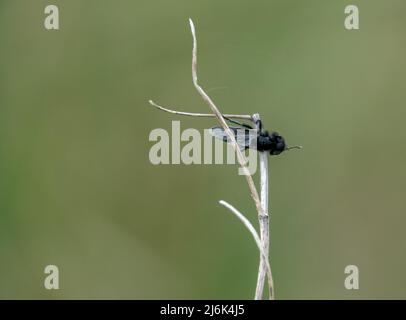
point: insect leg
(239, 123)
(258, 123)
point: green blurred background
(77, 189)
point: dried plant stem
(240, 157)
(261, 204)
(262, 250)
(263, 224)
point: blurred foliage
(77, 189)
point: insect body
(248, 137)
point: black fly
(248, 137)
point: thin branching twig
(207, 115)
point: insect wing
(244, 137)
